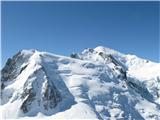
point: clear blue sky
(66, 27)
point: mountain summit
(98, 83)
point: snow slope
(98, 83)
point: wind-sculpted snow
(98, 83)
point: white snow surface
(91, 87)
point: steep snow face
(100, 83)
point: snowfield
(98, 83)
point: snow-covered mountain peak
(101, 49)
(100, 83)
(106, 50)
(25, 51)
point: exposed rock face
(11, 70)
(51, 96)
(40, 91)
(29, 96)
(74, 55)
(14, 66)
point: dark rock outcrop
(39, 90)
(14, 66)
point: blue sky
(66, 27)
